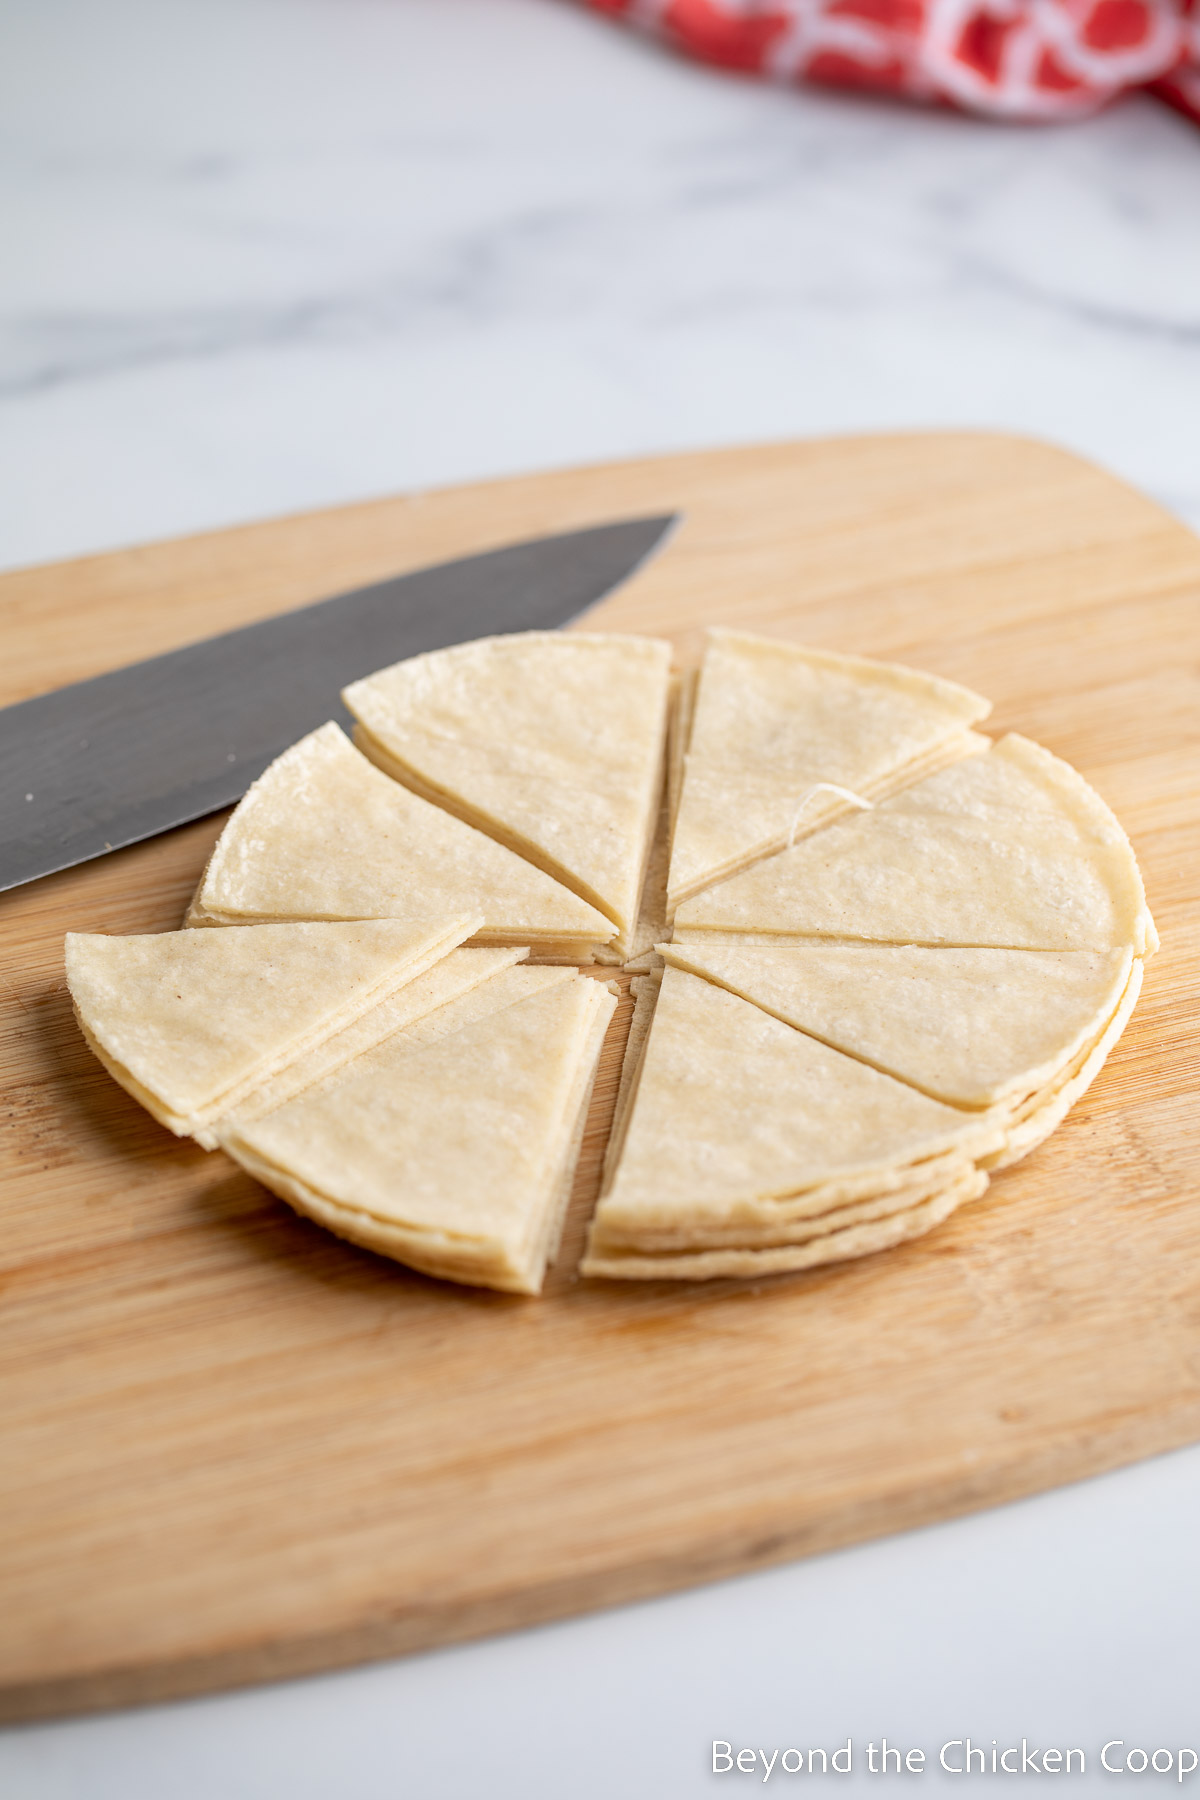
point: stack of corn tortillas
(878, 957)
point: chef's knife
(123, 756)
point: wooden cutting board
(236, 1448)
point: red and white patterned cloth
(1009, 59)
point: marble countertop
(263, 255)
(269, 254)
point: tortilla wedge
(449, 1149)
(190, 1023)
(550, 742)
(1010, 850)
(973, 1028)
(323, 835)
(782, 738)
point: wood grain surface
(236, 1448)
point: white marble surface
(267, 254)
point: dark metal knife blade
(107, 762)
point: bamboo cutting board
(236, 1448)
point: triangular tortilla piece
(190, 1022)
(448, 1257)
(836, 1246)
(734, 1107)
(447, 981)
(503, 990)
(970, 1027)
(323, 835)
(777, 727)
(1011, 850)
(452, 1154)
(551, 742)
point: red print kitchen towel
(1010, 59)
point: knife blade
(107, 762)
